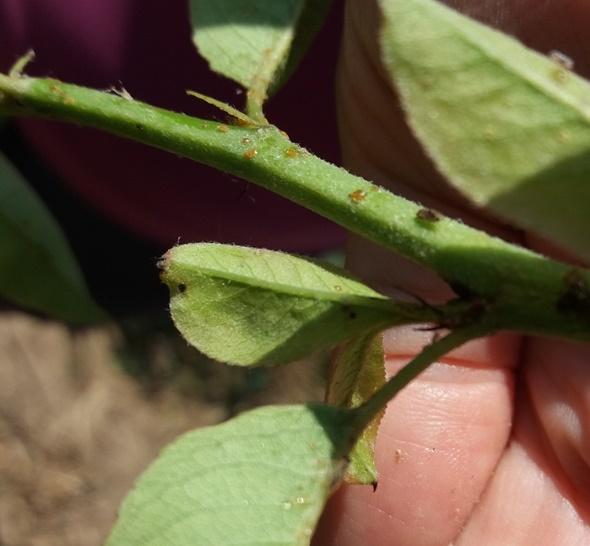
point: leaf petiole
(430, 354)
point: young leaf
(250, 307)
(358, 371)
(237, 115)
(257, 43)
(37, 268)
(260, 479)
(508, 126)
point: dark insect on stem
(427, 216)
(575, 297)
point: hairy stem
(509, 287)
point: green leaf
(257, 43)
(358, 371)
(261, 479)
(248, 306)
(509, 127)
(37, 268)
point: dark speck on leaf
(351, 313)
(182, 288)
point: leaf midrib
(376, 302)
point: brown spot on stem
(250, 154)
(427, 215)
(357, 196)
(246, 141)
(292, 152)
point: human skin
(491, 445)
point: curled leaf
(250, 307)
(358, 371)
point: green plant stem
(510, 287)
(364, 414)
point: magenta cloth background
(145, 46)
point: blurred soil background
(83, 412)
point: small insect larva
(561, 59)
(357, 196)
(563, 66)
(246, 141)
(427, 215)
(223, 128)
(292, 152)
(250, 154)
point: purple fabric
(145, 47)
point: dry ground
(83, 412)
